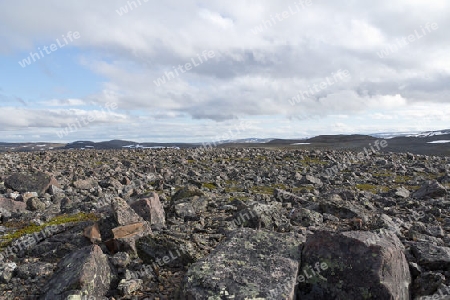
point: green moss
(263, 190)
(211, 186)
(30, 229)
(372, 188)
(312, 161)
(402, 179)
(382, 174)
(300, 188)
(233, 189)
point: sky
(200, 71)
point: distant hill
(428, 143)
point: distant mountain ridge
(429, 142)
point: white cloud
(251, 75)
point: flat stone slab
(249, 264)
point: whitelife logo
(66, 39)
(74, 127)
(187, 67)
(406, 40)
(279, 17)
(316, 88)
(131, 5)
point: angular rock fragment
(431, 256)
(150, 209)
(123, 213)
(360, 265)
(93, 233)
(125, 236)
(86, 270)
(432, 189)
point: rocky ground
(224, 224)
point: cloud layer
(265, 53)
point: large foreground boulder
(360, 265)
(248, 265)
(84, 272)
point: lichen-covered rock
(86, 271)
(258, 215)
(248, 265)
(360, 265)
(306, 217)
(186, 192)
(166, 250)
(185, 210)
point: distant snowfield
(427, 134)
(301, 144)
(153, 147)
(439, 142)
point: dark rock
(38, 182)
(430, 256)
(166, 250)
(86, 270)
(432, 189)
(361, 265)
(34, 270)
(306, 217)
(427, 283)
(186, 192)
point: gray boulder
(85, 271)
(360, 265)
(38, 182)
(431, 256)
(248, 265)
(432, 189)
